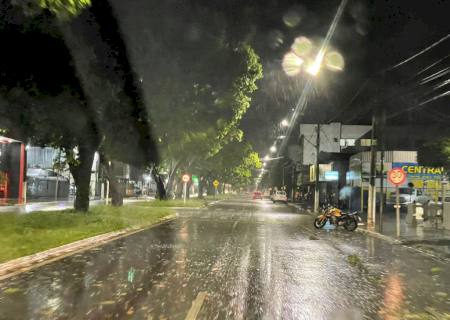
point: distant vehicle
(279, 196)
(410, 195)
(257, 195)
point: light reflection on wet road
(254, 260)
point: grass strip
(25, 234)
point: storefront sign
(413, 169)
(331, 176)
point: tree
(435, 154)
(80, 98)
(197, 80)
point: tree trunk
(172, 175)
(200, 188)
(115, 188)
(161, 191)
(180, 187)
(81, 172)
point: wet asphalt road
(248, 260)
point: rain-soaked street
(237, 259)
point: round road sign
(396, 176)
(186, 178)
(216, 183)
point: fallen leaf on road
(11, 290)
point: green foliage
(234, 164)
(435, 154)
(62, 9)
(240, 100)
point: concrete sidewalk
(58, 205)
(430, 241)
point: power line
(417, 54)
(382, 72)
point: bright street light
(281, 137)
(273, 149)
(284, 123)
(266, 157)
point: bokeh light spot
(334, 61)
(302, 46)
(292, 64)
(292, 18)
(275, 38)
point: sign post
(397, 177)
(215, 184)
(185, 179)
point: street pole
(184, 192)
(107, 192)
(372, 178)
(293, 183)
(316, 172)
(380, 133)
(57, 176)
(382, 188)
(397, 209)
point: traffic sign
(215, 183)
(186, 178)
(396, 176)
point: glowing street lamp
(266, 157)
(273, 149)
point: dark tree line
(67, 82)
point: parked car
(410, 195)
(279, 196)
(257, 195)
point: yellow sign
(215, 183)
(422, 170)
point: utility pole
(293, 183)
(371, 205)
(381, 128)
(316, 172)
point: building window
(347, 142)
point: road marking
(235, 224)
(196, 306)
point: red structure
(12, 170)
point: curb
(378, 235)
(300, 210)
(14, 267)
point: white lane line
(196, 306)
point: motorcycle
(337, 217)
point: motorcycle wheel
(318, 223)
(350, 224)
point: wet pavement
(238, 259)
